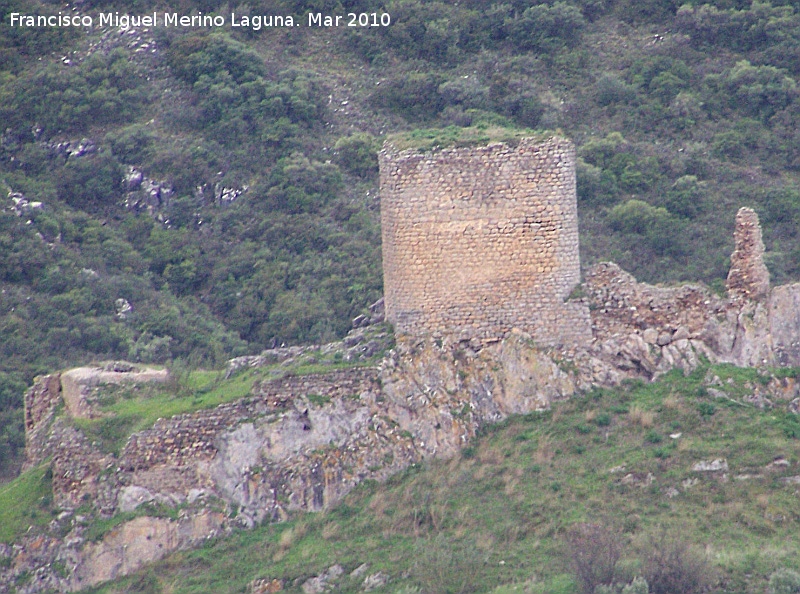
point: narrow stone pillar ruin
(748, 277)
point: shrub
(672, 567)
(706, 409)
(784, 581)
(636, 216)
(603, 420)
(594, 551)
(686, 196)
(610, 88)
(415, 96)
(357, 154)
(90, 181)
(446, 566)
(595, 186)
(760, 90)
(600, 151)
(653, 436)
(662, 231)
(300, 185)
(544, 27)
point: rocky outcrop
(139, 542)
(75, 389)
(78, 385)
(297, 443)
(783, 311)
(303, 442)
(646, 330)
(442, 392)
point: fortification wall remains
(477, 241)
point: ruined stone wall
(185, 438)
(477, 241)
(41, 402)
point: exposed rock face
(442, 392)
(755, 325)
(298, 443)
(77, 384)
(302, 443)
(138, 542)
(75, 389)
(784, 319)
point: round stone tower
(477, 241)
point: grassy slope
(496, 515)
(24, 502)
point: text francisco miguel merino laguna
(173, 19)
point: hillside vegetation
(194, 194)
(692, 485)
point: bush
(91, 181)
(759, 90)
(672, 567)
(595, 185)
(636, 216)
(300, 185)
(357, 154)
(662, 232)
(784, 581)
(594, 551)
(610, 88)
(686, 197)
(415, 96)
(546, 28)
(446, 566)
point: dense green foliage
(607, 476)
(267, 139)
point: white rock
(717, 465)
(133, 496)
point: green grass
(132, 408)
(26, 501)
(511, 496)
(454, 136)
(137, 408)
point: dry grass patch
(331, 531)
(641, 417)
(544, 453)
(491, 455)
(291, 536)
(379, 504)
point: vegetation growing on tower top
(432, 139)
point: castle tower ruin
(477, 241)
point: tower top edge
(399, 150)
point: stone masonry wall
(189, 437)
(477, 241)
(41, 402)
